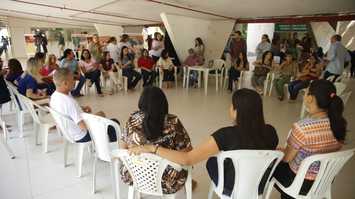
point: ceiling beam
(85, 11)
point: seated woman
(14, 70)
(109, 70)
(249, 131)
(147, 64)
(287, 70)
(311, 71)
(242, 64)
(27, 83)
(262, 68)
(165, 63)
(48, 69)
(193, 59)
(127, 66)
(4, 94)
(323, 132)
(91, 70)
(153, 124)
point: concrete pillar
(17, 31)
(254, 33)
(183, 31)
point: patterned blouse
(311, 136)
(175, 137)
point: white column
(18, 44)
(322, 32)
(183, 31)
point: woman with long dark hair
(242, 64)
(126, 63)
(90, 68)
(262, 68)
(249, 131)
(323, 132)
(263, 46)
(199, 48)
(15, 70)
(153, 124)
(311, 71)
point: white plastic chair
(42, 124)
(4, 139)
(161, 76)
(330, 166)
(19, 106)
(268, 81)
(250, 166)
(62, 122)
(97, 127)
(146, 171)
(218, 66)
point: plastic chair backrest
(250, 166)
(31, 108)
(331, 78)
(218, 63)
(345, 96)
(340, 87)
(277, 59)
(15, 96)
(330, 165)
(97, 127)
(62, 122)
(146, 171)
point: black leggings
(285, 176)
(94, 77)
(111, 132)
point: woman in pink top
(323, 132)
(91, 70)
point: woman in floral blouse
(153, 124)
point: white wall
(254, 33)
(183, 31)
(108, 30)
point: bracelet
(156, 149)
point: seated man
(68, 61)
(62, 102)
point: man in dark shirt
(237, 46)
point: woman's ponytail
(325, 93)
(337, 121)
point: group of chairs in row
(147, 169)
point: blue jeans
(295, 87)
(77, 90)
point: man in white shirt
(337, 56)
(62, 102)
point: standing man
(336, 57)
(237, 45)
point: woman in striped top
(323, 132)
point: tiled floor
(35, 175)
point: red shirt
(146, 62)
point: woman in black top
(248, 132)
(4, 92)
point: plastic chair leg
(45, 138)
(94, 176)
(66, 146)
(20, 118)
(81, 148)
(216, 75)
(115, 177)
(210, 192)
(131, 192)
(37, 129)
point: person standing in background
(262, 47)
(95, 48)
(157, 46)
(61, 44)
(237, 45)
(113, 49)
(336, 57)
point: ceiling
(144, 12)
